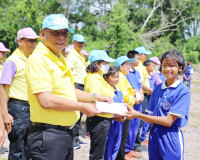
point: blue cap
(79, 38)
(100, 55)
(142, 50)
(56, 22)
(122, 59)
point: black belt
(45, 125)
(146, 94)
(20, 102)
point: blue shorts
(166, 143)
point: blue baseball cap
(100, 55)
(79, 38)
(122, 59)
(142, 50)
(56, 22)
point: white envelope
(115, 108)
(138, 95)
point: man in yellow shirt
(76, 62)
(54, 102)
(13, 87)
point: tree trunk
(68, 9)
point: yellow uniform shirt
(18, 87)
(1, 68)
(94, 83)
(77, 64)
(125, 87)
(144, 74)
(46, 72)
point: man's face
(2, 55)
(55, 40)
(27, 45)
(78, 45)
(143, 57)
(136, 63)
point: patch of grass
(3, 159)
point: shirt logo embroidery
(166, 105)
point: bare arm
(48, 101)
(142, 94)
(8, 119)
(147, 89)
(164, 121)
(86, 97)
(2, 129)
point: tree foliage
(114, 25)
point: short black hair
(92, 67)
(147, 62)
(112, 70)
(131, 54)
(108, 52)
(178, 57)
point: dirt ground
(191, 131)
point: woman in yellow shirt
(94, 82)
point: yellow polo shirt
(76, 62)
(45, 72)
(94, 83)
(125, 87)
(144, 74)
(18, 87)
(1, 68)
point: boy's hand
(131, 114)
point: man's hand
(2, 135)
(103, 98)
(8, 122)
(89, 109)
(131, 114)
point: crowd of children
(150, 89)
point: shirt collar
(132, 70)
(174, 85)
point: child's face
(170, 69)
(113, 79)
(150, 68)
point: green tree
(17, 14)
(119, 31)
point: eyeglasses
(30, 40)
